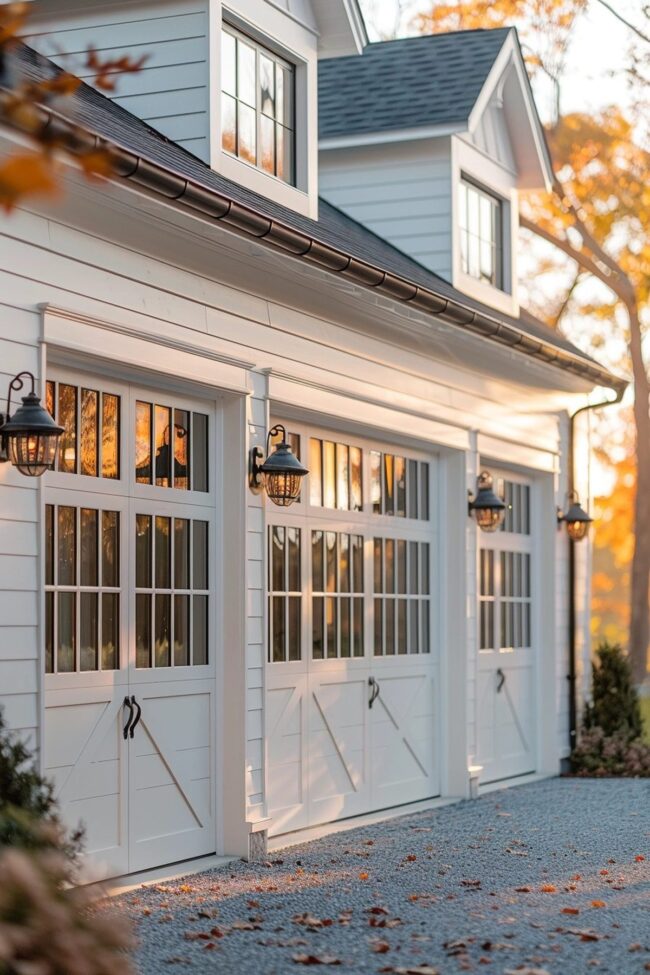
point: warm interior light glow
(489, 519)
(576, 530)
(32, 455)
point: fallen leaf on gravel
(316, 960)
(309, 921)
(522, 890)
(185, 889)
(603, 873)
(548, 888)
(384, 922)
(635, 947)
(245, 926)
(363, 876)
(526, 971)
(411, 970)
(376, 910)
(570, 910)
(639, 858)
(380, 947)
(583, 935)
(598, 904)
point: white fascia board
(341, 28)
(394, 135)
(510, 56)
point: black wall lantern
(30, 437)
(575, 518)
(488, 509)
(281, 474)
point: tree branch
(580, 257)
(619, 16)
(567, 298)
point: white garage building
(198, 667)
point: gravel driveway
(552, 878)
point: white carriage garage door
(129, 629)
(352, 674)
(506, 671)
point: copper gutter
(242, 219)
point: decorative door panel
(404, 752)
(506, 717)
(85, 756)
(338, 746)
(171, 779)
(286, 723)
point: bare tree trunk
(640, 578)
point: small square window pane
(143, 443)
(267, 86)
(389, 500)
(246, 71)
(377, 566)
(49, 545)
(315, 472)
(163, 552)
(293, 559)
(110, 436)
(342, 477)
(88, 656)
(330, 561)
(400, 487)
(329, 475)
(199, 452)
(181, 631)
(344, 607)
(67, 546)
(162, 624)
(278, 629)
(331, 626)
(88, 547)
(284, 95)
(200, 555)
(163, 422)
(228, 63)
(389, 609)
(375, 481)
(284, 153)
(110, 548)
(49, 632)
(199, 630)
(66, 637)
(358, 628)
(401, 565)
(68, 420)
(142, 630)
(181, 553)
(143, 551)
(344, 563)
(110, 630)
(89, 437)
(181, 450)
(267, 145)
(295, 652)
(229, 124)
(277, 559)
(356, 492)
(318, 583)
(318, 630)
(247, 143)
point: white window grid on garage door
(351, 566)
(127, 454)
(505, 571)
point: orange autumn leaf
(363, 876)
(570, 910)
(548, 888)
(598, 904)
(23, 175)
(639, 858)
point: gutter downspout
(572, 675)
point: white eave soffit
(508, 82)
(341, 28)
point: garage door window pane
(336, 475)
(399, 486)
(401, 612)
(82, 596)
(285, 597)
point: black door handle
(375, 691)
(502, 679)
(137, 717)
(127, 704)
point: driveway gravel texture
(551, 878)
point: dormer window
(481, 234)
(257, 115)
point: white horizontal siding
(171, 90)
(401, 192)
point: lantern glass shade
(31, 437)
(576, 530)
(33, 453)
(576, 519)
(282, 474)
(488, 508)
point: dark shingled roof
(433, 79)
(97, 113)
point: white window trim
(288, 41)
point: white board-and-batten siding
(170, 92)
(401, 192)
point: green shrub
(29, 815)
(611, 740)
(615, 703)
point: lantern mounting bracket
(16, 384)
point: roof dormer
(427, 141)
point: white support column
(454, 658)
